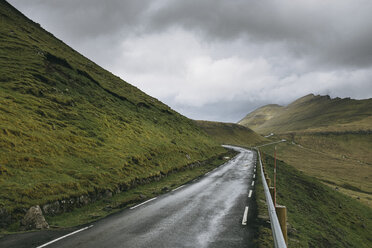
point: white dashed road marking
(250, 193)
(178, 188)
(245, 216)
(55, 240)
(143, 203)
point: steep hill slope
(231, 133)
(313, 114)
(318, 216)
(261, 115)
(70, 128)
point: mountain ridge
(313, 113)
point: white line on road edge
(254, 175)
(252, 183)
(178, 188)
(250, 194)
(143, 203)
(55, 240)
(245, 216)
(207, 173)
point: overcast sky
(220, 59)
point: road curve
(206, 213)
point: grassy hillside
(314, 114)
(230, 133)
(318, 216)
(328, 138)
(341, 161)
(261, 115)
(69, 127)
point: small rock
(165, 189)
(188, 156)
(142, 196)
(34, 219)
(84, 200)
(52, 208)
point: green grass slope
(330, 139)
(69, 127)
(318, 216)
(315, 113)
(261, 115)
(341, 160)
(230, 133)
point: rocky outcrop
(34, 219)
(52, 208)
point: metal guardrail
(279, 241)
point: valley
(327, 138)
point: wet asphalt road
(204, 213)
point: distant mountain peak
(312, 113)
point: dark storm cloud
(93, 27)
(328, 32)
(86, 19)
(219, 59)
(321, 32)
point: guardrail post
(281, 212)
